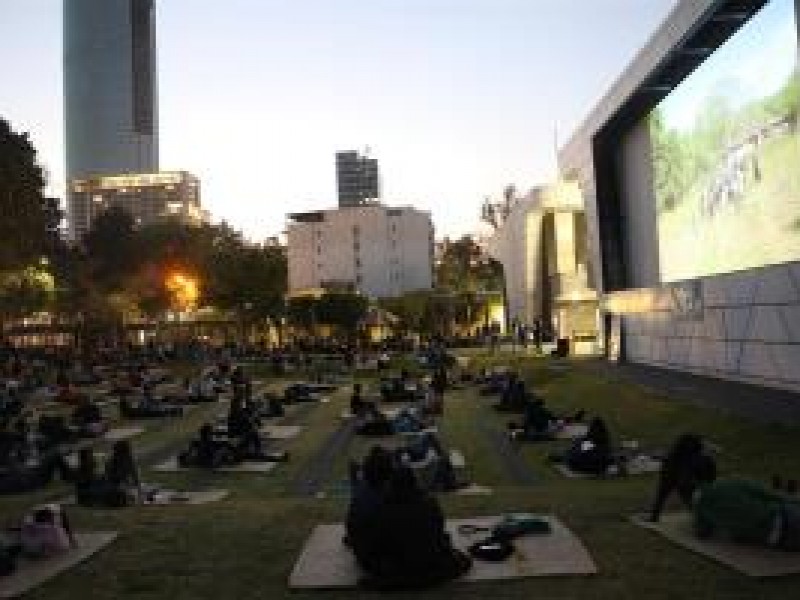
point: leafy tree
(342, 310)
(24, 210)
(112, 249)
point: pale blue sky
(456, 98)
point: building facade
(147, 197)
(377, 250)
(357, 178)
(541, 243)
(733, 322)
(110, 91)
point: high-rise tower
(110, 88)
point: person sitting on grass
(514, 397)
(431, 462)
(23, 469)
(590, 454)
(405, 545)
(87, 418)
(117, 486)
(243, 425)
(682, 470)
(358, 406)
(368, 482)
(373, 423)
(748, 513)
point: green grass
(245, 546)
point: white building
(378, 250)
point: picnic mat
(281, 432)
(32, 573)
(172, 497)
(640, 466)
(753, 561)
(117, 434)
(171, 466)
(165, 497)
(326, 563)
(572, 431)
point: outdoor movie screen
(726, 155)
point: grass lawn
(245, 546)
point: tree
(24, 210)
(112, 249)
(342, 310)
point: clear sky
(456, 98)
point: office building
(357, 178)
(110, 91)
(146, 197)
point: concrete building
(733, 322)
(377, 250)
(357, 178)
(146, 197)
(540, 239)
(110, 107)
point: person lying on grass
(212, 451)
(747, 512)
(148, 406)
(590, 454)
(539, 423)
(397, 531)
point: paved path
(767, 405)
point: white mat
(637, 467)
(171, 466)
(748, 560)
(326, 563)
(117, 434)
(32, 573)
(572, 431)
(281, 432)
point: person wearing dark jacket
(591, 454)
(409, 545)
(684, 467)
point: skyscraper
(356, 178)
(110, 87)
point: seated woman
(87, 419)
(684, 468)
(747, 513)
(402, 542)
(590, 454)
(119, 484)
